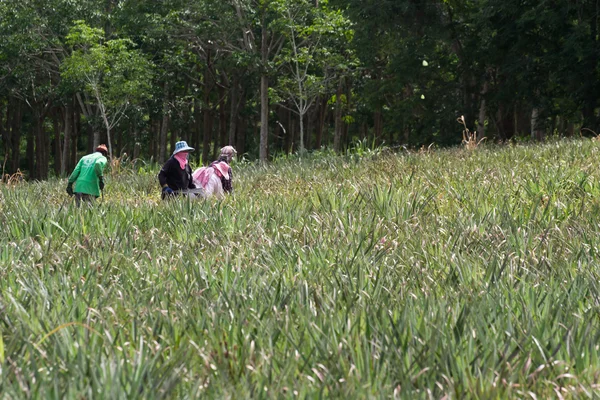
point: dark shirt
(226, 183)
(178, 179)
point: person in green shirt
(87, 176)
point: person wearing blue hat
(175, 176)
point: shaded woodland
(278, 76)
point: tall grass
(456, 274)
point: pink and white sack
(209, 178)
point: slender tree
(112, 72)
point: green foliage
(116, 70)
(312, 53)
(368, 275)
(113, 72)
(411, 67)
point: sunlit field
(375, 274)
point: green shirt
(87, 173)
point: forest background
(278, 76)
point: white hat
(228, 151)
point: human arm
(75, 174)
(162, 179)
(99, 170)
(228, 183)
(191, 184)
(162, 175)
(73, 178)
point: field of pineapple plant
(374, 274)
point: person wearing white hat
(175, 176)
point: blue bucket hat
(182, 146)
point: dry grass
(596, 136)
(14, 179)
(469, 140)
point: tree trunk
(279, 132)
(301, 147)
(197, 126)
(482, 113)
(46, 154)
(233, 115)
(504, 122)
(30, 153)
(208, 125)
(264, 95)
(118, 142)
(589, 114)
(57, 142)
(570, 130)
(322, 111)
(264, 118)
(534, 118)
(137, 147)
(345, 135)
(164, 126)
(95, 139)
(15, 136)
(207, 136)
(37, 146)
(292, 129)
(67, 138)
(89, 135)
(337, 138)
(301, 114)
(590, 120)
(41, 146)
(289, 132)
(3, 140)
(378, 124)
(536, 132)
(348, 85)
(76, 136)
(310, 123)
(152, 142)
(391, 137)
(93, 133)
(174, 140)
(222, 122)
(241, 136)
(242, 127)
(155, 141)
(107, 126)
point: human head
(102, 149)
(228, 152)
(182, 146)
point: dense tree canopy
(276, 76)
